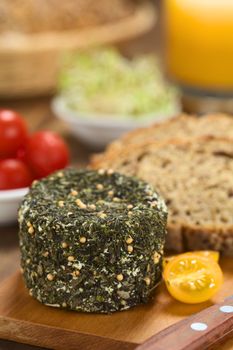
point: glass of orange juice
(199, 43)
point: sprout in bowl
(104, 90)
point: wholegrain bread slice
(183, 126)
(196, 179)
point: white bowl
(9, 204)
(97, 130)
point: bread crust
(185, 238)
(181, 236)
(210, 238)
(116, 147)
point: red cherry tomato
(14, 174)
(46, 152)
(13, 133)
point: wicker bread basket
(29, 63)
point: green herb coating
(92, 241)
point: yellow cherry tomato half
(192, 278)
(208, 254)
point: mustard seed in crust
(92, 206)
(99, 187)
(156, 257)
(147, 280)
(102, 215)
(130, 248)
(74, 193)
(82, 239)
(50, 277)
(31, 230)
(70, 258)
(101, 171)
(80, 204)
(120, 277)
(129, 240)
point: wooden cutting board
(25, 320)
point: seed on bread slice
(183, 126)
(196, 179)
